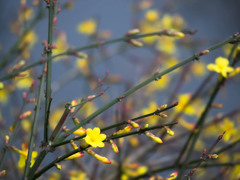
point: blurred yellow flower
(183, 100)
(61, 46)
(23, 155)
(78, 175)
(83, 66)
(228, 126)
(4, 93)
(94, 138)
(221, 66)
(87, 27)
(166, 45)
(151, 15)
(198, 69)
(27, 43)
(23, 82)
(151, 108)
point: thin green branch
(34, 127)
(51, 7)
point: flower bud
(133, 124)
(153, 137)
(80, 131)
(114, 146)
(162, 107)
(6, 139)
(132, 32)
(212, 156)
(169, 131)
(162, 115)
(2, 173)
(145, 126)
(75, 120)
(123, 131)
(97, 156)
(58, 166)
(203, 52)
(25, 115)
(173, 33)
(135, 42)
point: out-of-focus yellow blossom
(26, 124)
(132, 170)
(25, 15)
(151, 15)
(186, 124)
(1, 85)
(227, 49)
(54, 176)
(87, 27)
(24, 82)
(94, 138)
(61, 46)
(166, 45)
(198, 69)
(134, 141)
(88, 109)
(147, 27)
(236, 170)
(167, 21)
(4, 93)
(228, 126)
(27, 44)
(78, 175)
(234, 72)
(221, 66)
(23, 155)
(55, 117)
(183, 100)
(151, 108)
(158, 85)
(83, 66)
(199, 145)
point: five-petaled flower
(221, 66)
(94, 138)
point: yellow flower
(166, 45)
(183, 100)
(23, 155)
(151, 15)
(4, 93)
(198, 69)
(152, 107)
(228, 126)
(61, 46)
(94, 138)
(87, 27)
(24, 82)
(221, 66)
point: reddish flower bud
(153, 137)
(25, 115)
(114, 146)
(133, 124)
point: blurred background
(76, 78)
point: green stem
(34, 127)
(49, 69)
